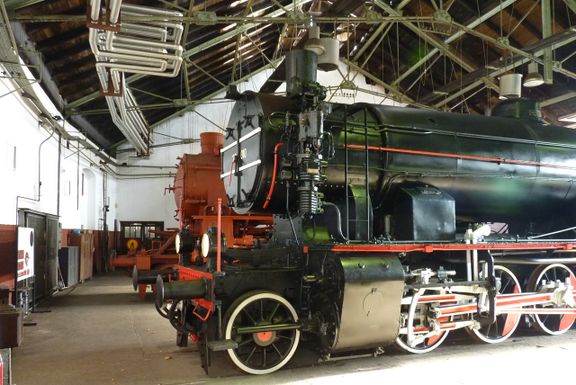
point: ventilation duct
(143, 47)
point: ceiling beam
(548, 72)
(571, 4)
(476, 22)
(214, 94)
(12, 5)
(497, 68)
(379, 30)
(447, 50)
(237, 57)
(558, 99)
(185, 37)
(397, 95)
(441, 46)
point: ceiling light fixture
(510, 86)
(533, 78)
(313, 43)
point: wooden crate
(85, 240)
(86, 254)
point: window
(132, 231)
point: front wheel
(262, 352)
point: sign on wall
(25, 253)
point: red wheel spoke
(432, 340)
(566, 321)
(510, 324)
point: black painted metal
(483, 191)
(412, 214)
(149, 277)
(180, 290)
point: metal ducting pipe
(149, 48)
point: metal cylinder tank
(301, 68)
(495, 168)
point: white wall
(21, 131)
(144, 199)
(137, 193)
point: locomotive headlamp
(205, 245)
(209, 242)
(184, 242)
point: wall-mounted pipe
(40, 162)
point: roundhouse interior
(286, 191)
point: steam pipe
(335, 229)
(120, 53)
(59, 176)
(95, 11)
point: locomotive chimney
(301, 68)
(211, 142)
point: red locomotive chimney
(211, 142)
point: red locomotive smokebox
(197, 180)
(10, 326)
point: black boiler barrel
(495, 168)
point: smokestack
(301, 66)
(211, 142)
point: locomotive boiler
(391, 227)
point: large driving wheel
(416, 322)
(263, 324)
(553, 324)
(505, 324)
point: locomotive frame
(412, 258)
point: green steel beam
(397, 95)
(548, 73)
(209, 97)
(482, 18)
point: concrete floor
(100, 333)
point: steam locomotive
(391, 227)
